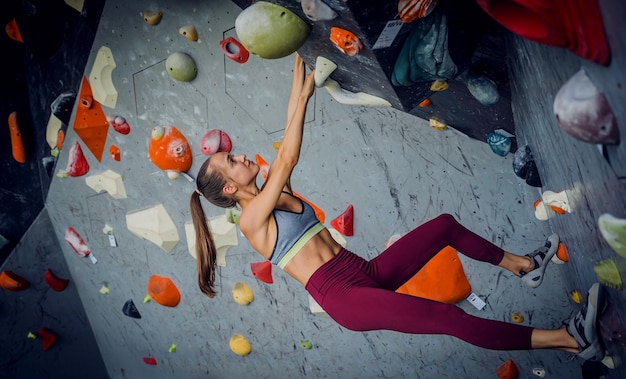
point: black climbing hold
(524, 166)
(130, 310)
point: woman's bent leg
(398, 263)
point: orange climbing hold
(562, 253)
(425, 103)
(169, 151)
(13, 31)
(13, 282)
(115, 153)
(17, 144)
(441, 279)
(507, 370)
(346, 41)
(163, 290)
(262, 271)
(90, 122)
(60, 139)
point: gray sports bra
(293, 230)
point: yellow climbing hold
(242, 293)
(31, 336)
(276, 146)
(439, 85)
(437, 125)
(151, 17)
(105, 289)
(172, 348)
(240, 345)
(576, 296)
(189, 31)
(517, 317)
(147, 298)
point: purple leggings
(360, 295)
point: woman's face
(236, 168)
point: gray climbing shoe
(540, 257)
(584, 325)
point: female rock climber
(359, 294)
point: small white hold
(353, 98)
(324, 67)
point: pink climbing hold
(215, 141)
(262, 271)
(54, 281)
(76, 242)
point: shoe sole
(596, 304)
(536, 279)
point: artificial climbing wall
(395, 170)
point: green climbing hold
(306, 344)
(613, 230)
(610, 272)
(181, 67)
(270, 31)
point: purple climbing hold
(584, 112)
(524, 166)
(130, 309)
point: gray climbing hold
(484, 90)
(181, 67)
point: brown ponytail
(205, 247)
(211, 185)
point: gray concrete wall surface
(394, 169)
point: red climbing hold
(54, 281)
(234, 50)
(48, 338)
(344, 223)
(76, 242)
(150, 361)
(77, 163)
(262, 271)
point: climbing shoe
(584, 325)
(540, 258)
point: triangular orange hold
(13, 31)
(442, 279)
(163, 290)
(262, 271)
(90, 122)
(264, 168)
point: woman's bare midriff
(319, 250)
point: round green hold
(181, 67)
(270, 31)
(306, 344)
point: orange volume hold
(17, 145)
(13, 31)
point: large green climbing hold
(613, 230)
(181, 67)
(270, 31)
